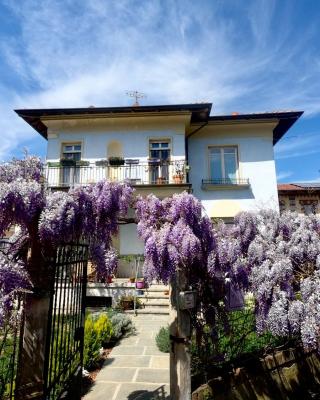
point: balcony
(132, 171)
(216, 184)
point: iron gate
(64, 359)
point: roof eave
(199, 112)
(285, 120)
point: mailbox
(187, 300)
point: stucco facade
(255, 165)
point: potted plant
(82, 163)
(127, 302)
(67, 162)
(116, 161)
(102, 163)
(179, 173)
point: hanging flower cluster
(13, 279)
(175, 234)
(90, 213)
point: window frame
(222, 164)
(75, 143)
(160, 140)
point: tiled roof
(303, 186)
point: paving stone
(130, 341)
(153, 375)
(138, 391)
(102, 391)
(128, 361)
(160, 362)
(146, 342)
(112, 374)
(128, 350)
(152, 350)
(135, 358)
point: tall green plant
(92, 344)
(103, 329)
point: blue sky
(245, 56)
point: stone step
(157, 288)
(153, 296)
(154, 302)
(155, 311)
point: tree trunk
(180, 331)
(32, 355)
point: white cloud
(283, 175)
(82, 53)
(297, 146)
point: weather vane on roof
(137, 95)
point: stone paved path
(135, 369)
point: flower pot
(161, 181)
(177, 178)
(140, 284)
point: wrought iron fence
(63, 370)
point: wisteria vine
(277, 258)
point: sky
(241, 55)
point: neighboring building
(225, 161)
(303, 198)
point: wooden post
(32, 355)
(180, 331)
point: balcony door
(70, 173)
(159, 161)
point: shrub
(163, 340)
(103, 329)
(121, 325)
(92, 344)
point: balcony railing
(237, 182)
(132, 172)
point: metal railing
(227, 181)
(132, 172)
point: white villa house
(226, 161)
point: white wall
(256, 163)
(134, 134)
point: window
(223, 164)
(159, 151)
(309, 206)
(292, 203)
(71, 151)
